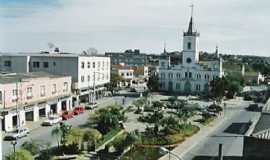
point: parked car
(18, 133)
(254, 108)
(78, 110)
(52, 120)
(91, 106)
(67, 115)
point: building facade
(87, 72)
(28, 96)
(129, 57)
(190, 76)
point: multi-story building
(87, 72)
(191, 75)
(131, 75)
(129, 57)
(28, 96)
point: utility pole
(220, 156)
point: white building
(86, 71)
(191, 76)
(25, 97)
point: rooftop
(6, 78)
(47, 54)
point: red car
(78, 110)
(67, 115)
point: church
(190, 76)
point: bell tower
(190, 44)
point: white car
(52, 120)
(19, 133)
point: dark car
(254, 108)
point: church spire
(190, 27)
(164, 49)
(191, 31)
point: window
(45, 64)
(82, 65)
(42, 91)
(29, 93)
(82, 78)
(198, 76)
(178, 86)
(122, 74)
(190, 75)
(88, 65)
(170, 75)
(198, 87)
(188, 60)
(7, 63)
(189, 45)
(35, 64)
(14, 95)
(178, 75)
(54, 63)
(88, 78)
(1, 98)
(94, 65)
(54, 89)
(186, 74)
(65, 87)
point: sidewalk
(190, 142)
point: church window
(198, 87)
(189, 45)
(177, 86)
(178, 75)
(198, 76)
(188, 60)
(170, 75)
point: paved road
(230, 134)
(44, 133)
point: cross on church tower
(192, 9)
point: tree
(108, 118)
(218, 88)
(74, 139)
(57, 133)
(139, 104)
(153, 83)
(115, 78)
(20, 154)
(34, 146)
(91, 136)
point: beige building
(28, 96)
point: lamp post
(14, 143)
(94, 87)
(164, 150)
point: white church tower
(190, 44)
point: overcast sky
(236, 26)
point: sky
(236, 26)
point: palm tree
(57, 133)
(91, 136)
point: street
(229, 133)
(44, 133)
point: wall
(10, 101)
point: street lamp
(164, 150)
(14, 143)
